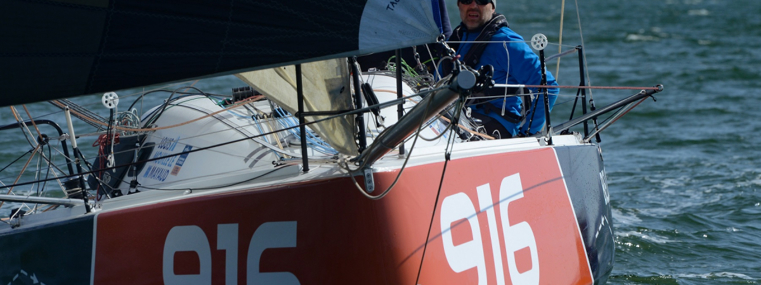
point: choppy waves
(684, 172)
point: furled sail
(62, 48)
(326, 88)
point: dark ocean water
(684, 172)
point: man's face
(474, 15)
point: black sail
(65, 48)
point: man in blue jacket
(514, 63)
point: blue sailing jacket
(514, 63)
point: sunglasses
(479, 2)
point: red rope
(593, 87)
(102, 142)
(105, 140)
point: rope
(487, 42)
(560, 42)
(254, 98)
(584, 87)
(366, 109)
(447, 157)
(469, 130)
(444, 118)
(10, 190)
(36, 146)
(33, 123)
(15, 115)
(401, 170)
(616, 119)
(21, 123)
(581, 35)
(81, 113)
(435, 67)
(102, 143)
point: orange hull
(498, 219)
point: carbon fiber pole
(358, 102)
(547, 124)
(302, 123)
(399, 95)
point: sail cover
(326, 88)
(61, 48)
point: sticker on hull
(159, 170)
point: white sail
(326, 88)
(407, 23)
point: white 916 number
(193, 238)
(516, 237)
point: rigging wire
(435, 67)
(31, 119)
(229, 128)
(153, 117)
(290, 128)
(622, 111)
(69, 159)
(10, 190)
(23, 127)
(401, 170)
(37, 146)
(445, 118)
(507, 78)
(586, 87)
(356, 111)
(197, 136)
(143, 92)
(526, 42)
(81, 112)
(254, 98)
(17, 159)
(447, 157)
(286, 119)
(435, 120)
(560, 40)
(581, 34)
(47, 173)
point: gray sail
(64, 48)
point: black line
(433, 216)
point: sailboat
(314, 173)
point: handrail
(594, 114)
(41, 200)
(54, 125)
(430, 106)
